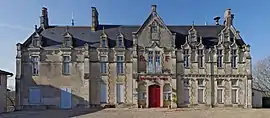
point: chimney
(44, 20)
(95, 22)
(217, 18)
(228, 17)
(154, 8)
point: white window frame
(122, 95)
(200, 58)
(66, 62)
(103, 62)
(222, 95)
(122, 66)
(186, 58)
(33, 62)
(203, 99)
(220, 58)
(234, 56)
(154, 68)
(236, 97)
(184, 96)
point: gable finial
(36, 28)
(72, 19)
(193, 23)
(103, 29)
(66, 29)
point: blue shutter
(34, 96)
(103, 93)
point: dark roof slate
(5, 73)
(53, 36)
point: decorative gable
(120, 40)
(36, 39)
(68, 39)
(192, 35)
(153, 20)
(103, 39)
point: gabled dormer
(192, 35)
(225, 36)
(120, 40)
(36, 39)
(154, 30)
(103, 39)
(68, 39)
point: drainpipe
(212, 81)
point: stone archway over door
(154, 96)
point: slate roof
(5, 73)
(53, 35)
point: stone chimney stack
(228, 17)
(154, 8)
(44, 20)
(95, 21)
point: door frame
(154, 91)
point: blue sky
(18, 18)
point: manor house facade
(148, 65)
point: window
(142, 96)
(234, 82)
(103, 93)
(234, 94)
(219, 82)
(154, 62)
(120, 93)
(219, 58)
(219, 96)
(200, 58)
(186, 82)
(233, 58)
(35, 42)
(103, 64)
(186, 95)
(154, 28)
(167, 96)
(200, 82)
(120, 64)
(35, 63)
(158, 62)
(186, 58)
(200, 95)
(66, 61)
(150, 62)
(104, 42)
(120, 41)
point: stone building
(148, 65)
(4, 75)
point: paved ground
(144, 113)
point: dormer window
(103, 39)
(120, 41)
(154, 31)
(103, 42)
(219, 58)
(154, 28)
(233, 58)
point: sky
(18, 17)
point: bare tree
(261, 74)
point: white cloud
(16, 27)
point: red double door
(154, 96)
